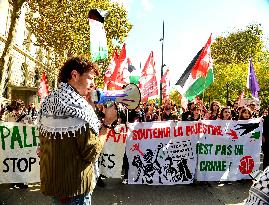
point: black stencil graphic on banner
(149, 167)
(249, 127)
(177, 170)
(174, 158)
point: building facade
(26, 61)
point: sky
(187, 26)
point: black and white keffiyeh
(259, 191)
(64, 110)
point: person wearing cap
(71, 135)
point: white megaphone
(129, 97)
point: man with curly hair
(71, 135)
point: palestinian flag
(198, 75)
(134, 73)
(98, 41)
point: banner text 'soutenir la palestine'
(177, 131)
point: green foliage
(175, 97)
(237, 47)
(231, 55)
(63, 26)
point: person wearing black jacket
(265, 142)
(186, 115)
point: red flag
(120, 75)
(148, 81)
(43, 89)
(165, 85)
(111, 67)
(203, 62)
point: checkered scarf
(259, 191)
(64, 110)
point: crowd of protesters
(16, 111)
(194, 111)
(147, 112)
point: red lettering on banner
(134, 134)
(178, 132)
(218, 130)
(191, 130)
(154, 133)
(188, 130)
(141, 134)
(110, 134)
(194, 129)
(204, 128)
(200, 128)
(148, 134)
(209, 129)
(161, 132)
(122, 135)
(167, 132)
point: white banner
(111, 158)
(160, 153)
(19, 162)
(228, 150)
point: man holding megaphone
(71, 135)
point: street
(115, 193)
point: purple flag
(252, 83)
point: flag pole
(162, 39)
